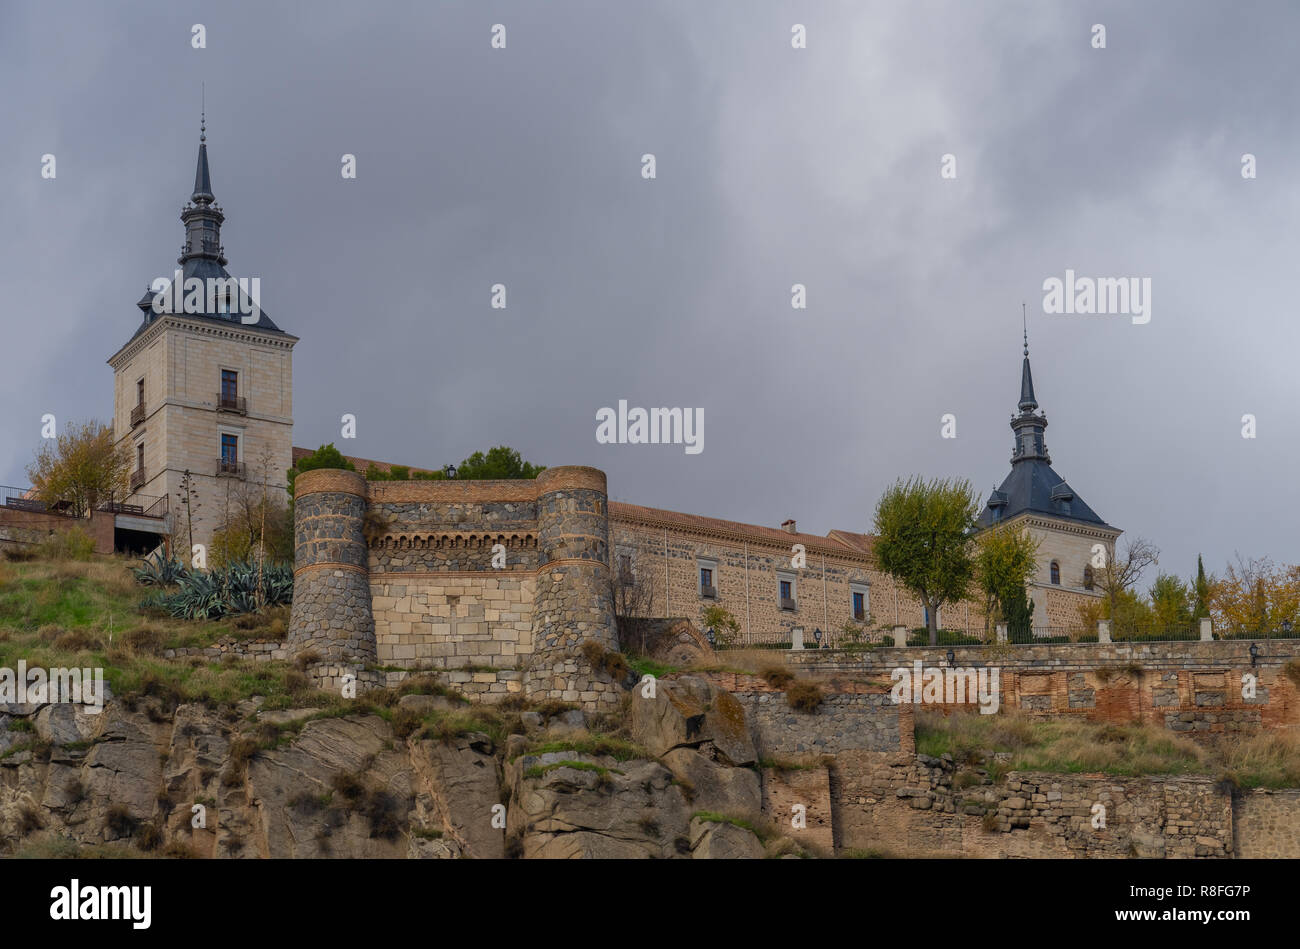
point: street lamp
(450, 471)
(1254, 653)
(1286, 627)
(711, 636)
(951, 657)
(817, 635)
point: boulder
(711, 840)
(688, 711)
(616, 810)
(713, 787)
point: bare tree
(1119, 574)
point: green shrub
(70, 544)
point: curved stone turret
(331, 613)
(574, 602)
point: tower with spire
(1035, 498)
(199, 390)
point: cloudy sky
(774, 166)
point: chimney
(788, 526)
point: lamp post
(450, 472)
(1254, 654)
(817, 635)
(951, 657)
(711, 636)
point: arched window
(1056, 573)
(1087, 577)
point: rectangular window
(708, 569)
(229, 384)
(139, 392)
(229, 449)
(786, 591)
(625, 568)
(139, 457)
(859, 606)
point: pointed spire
(1027, 401)
(202, 177)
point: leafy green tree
(1171, 603)
(923, 532)
(725, 626)
(1005, 559)
(500, 462)
(1018, 612)
(326, 456)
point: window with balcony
(228, 464)
(785, 585)
(229, 399)
(707, 588)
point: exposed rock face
(688, 712)
(711, 840)
(294, 783)
(615, 810)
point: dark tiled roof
(1035, 488)
(204, 268)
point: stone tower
(574, 600)
(331, 613)
(205, 384)
(1035, 497)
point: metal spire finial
(203, 114)
(1024, 319)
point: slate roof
(1030, 488)
(202, 267)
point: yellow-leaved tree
(81, 468)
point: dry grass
(803, 695)
(1268, 759)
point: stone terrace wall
(853, 716)
(1189, 687)
(907, 806)
(1267, 824)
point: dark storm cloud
(775, 167)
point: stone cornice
(234, 331)
(1047, 522)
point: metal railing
(229, 469)
(232, 403)
(22, 499)
(137, 414)
(142, 506)
(138, 478)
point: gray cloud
(775, 167)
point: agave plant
(228, 591)
(159, 570)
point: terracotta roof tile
(845, 542)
